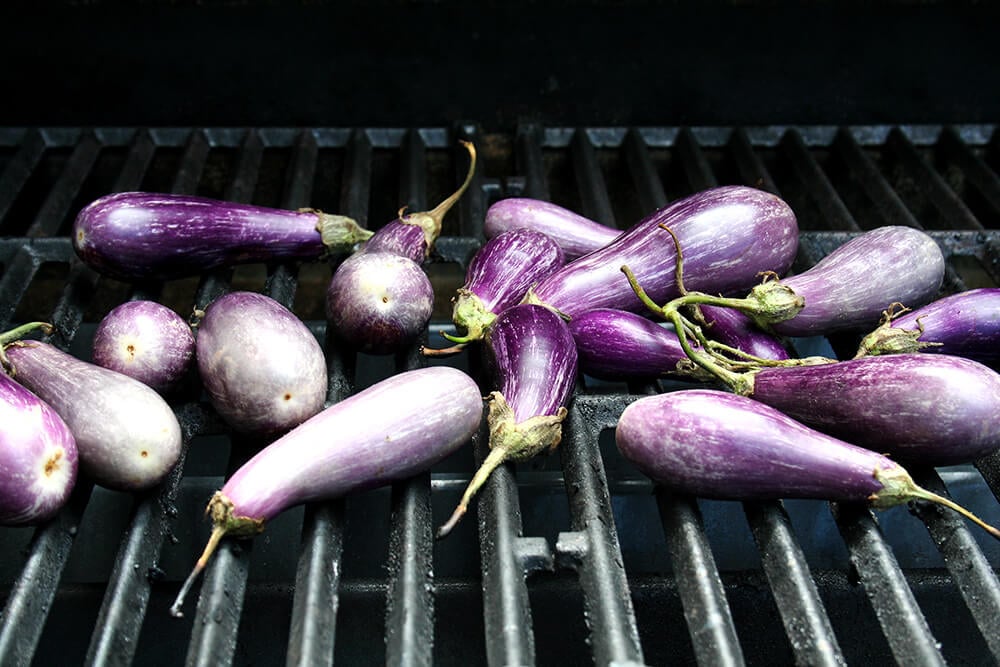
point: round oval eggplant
(262, 368)
(393, 430)
(127, 437)
(147, 235)
(728, 235)
(575, 234)
(621, 345)
(147, 341)
(966, 324)
(38, 457)
(379, 302)
(718, 445)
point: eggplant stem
(493, 460)
(439, 211)
(463, 340)
(921, 493)
(17, 333)
(218, 532)
(442, 352)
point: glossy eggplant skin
(621, 345)
(854, 284)
(156, 236)
(38, 457)
(127, 437)
(731, 327)
(922, 408)
(966, 324)
(575, 234)
(400, 238)
(715, 444)
(147, 341)
(728, 235)
(262, 368)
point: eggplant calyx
(340, 233)
(887, 339)
(771, 302)
(431, 221)
(14, 336)
(471, 314)
(531, 298)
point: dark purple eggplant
(736, 330)
(575, 234)
(390, 431)
(38, 457)
(148, 235)
(262, 368)
(533, 359)
(127, 437)
(966, 324)
(728, 236)
(147, 341)
(714, 444)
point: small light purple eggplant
(262, 368)
(393, 430)
(966, 324)
(715, 444)
(127, 437)
(379, 300)
(575, 234)
(728, 235)
(147, 341)
(38, 457)
(533, 359)
(148, 235)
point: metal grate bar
(357, 170)
(60, 197)
(749, 163)
(975, 169)
(18, 171)
(590, 180)
(695, 164)
(647, 181)
(192, 163)
(528, 160)
(137, 162)
(807, 169)
(14, 282)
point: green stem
(493, 460)
(17, 333)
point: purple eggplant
(127, 437)
(390, 431)
(714, 444)
(379, 300)
(147, 235)
(38, 457)
(147, 341)
(728, 235)
(262, 368)
(533, 359)
(966, 324)
(736, 330)
(575, 234)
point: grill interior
(571, 558)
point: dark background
(435, 63)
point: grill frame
(586, 556)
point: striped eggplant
(575, 234)
(736, 330)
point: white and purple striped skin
(501, 272)
(715, 444)
(621, 345)
(922, 408)
(852, 286)
(731, 327)
(966, 324)
(127, 437)
(145, 235)
(147, 341)
(400, 238)
(262, 368)
(575, 234)
(393, 430)
(728, 235)
(38, 457)
(379, 302)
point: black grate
(576, 558)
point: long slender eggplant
(728, 236)
(127, 437)
(379, 300)
(38, 457)
(147, 341)
(149, 235)
(390, 431)
(575, 234)
(966, 324)
(534, 362)
(718, 445)
(262, 368)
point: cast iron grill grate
(579, 558)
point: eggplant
(533, 360)
(157, 236)
(575, 234)
(715, 444)
(127, 437)
(38, 457)
(966, 324)
(379, 300)
(147, 341)
(737, 331)
(728, 236)
(391, 431)
(262, 368)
